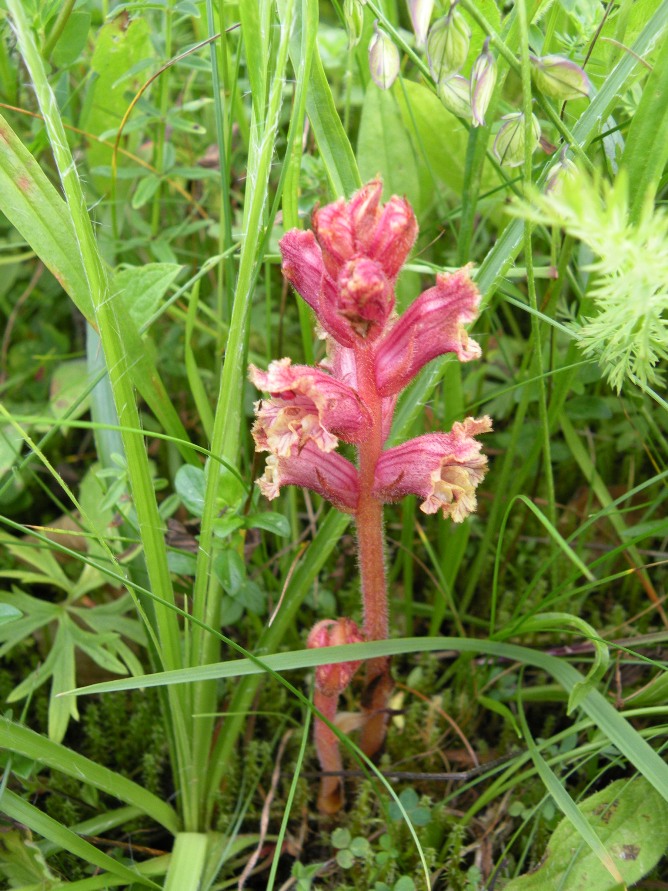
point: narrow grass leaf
(594, 704)
(23, 741)
(24, 812)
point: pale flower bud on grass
(563, 169)
(509, 145)
(559, 78)
(420, 12)
(448, 45)
(353, 16)
(483, 81)
(384, 60)
(455, 94)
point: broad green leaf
(38, 557)
(73, 39)
(22, 862)
(68, 384)
(146, 189)
(270, 521)
(253, 597)
(9, 613)
(230, 570)
(63, 669)
(190, 485)
(34, 614)
(119, 46)
(34, 207)
(11, 443)
(440, 138)
(384, 146)
(141, 288)
(629, 817)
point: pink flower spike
(306, 405)
(333, 679)
(327, 473)
(430, 327)
(444, 469)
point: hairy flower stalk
(346, 269)
(330, 682)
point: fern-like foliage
(629, 282)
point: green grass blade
(34, 207)
(564, 801)
(646, 145)
(187, 862)
(24, 812)
(594, 704)
(333, 143)
(16, 738)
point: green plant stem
(162, 126)
(536, 336)
(226, 278)
(58, 27)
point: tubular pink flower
(444, 469)
(391, 239)
(307, 405)
(366, 298)
(431, 326)
(303, 264)
(364, 209)
(335, 232)
(327, 473)
(333, 679)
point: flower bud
(384, 59)
(353, 16)
(563, 169)
(333, 679)
(420, 12)
(455, 94)
(559, 78)
(448, 45)
(509, 145)
(483, 81)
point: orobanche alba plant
(346, 269)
